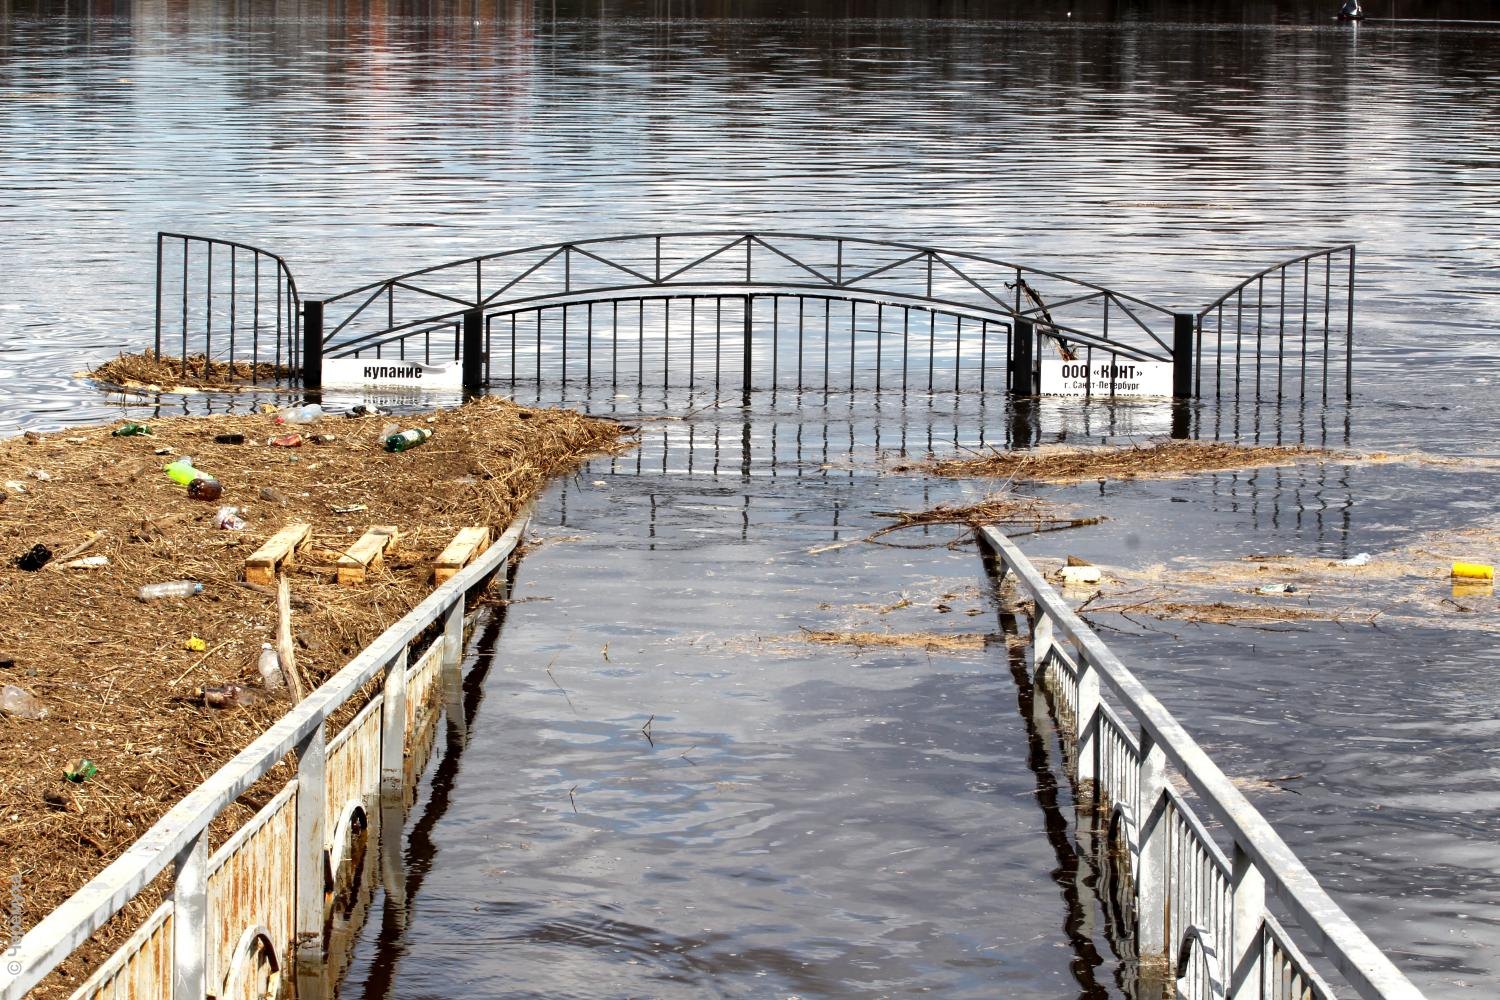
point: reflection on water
(1133, 147)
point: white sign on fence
(1129, 378)
(387, 373)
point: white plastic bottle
(174, 588)
(270, 668)
(302, 414)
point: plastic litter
(228, 519)
(41, 475)
(364, 410)
(80, 770)
(305, 414)
(21, 704)
(1277, 588)
(87, 562)
(206, 489)
(172, 588)
(1473, 571)
(229, 439)
(34, 558)
(407, 440)
(165, 449)
(227, 696)
(286, 441)
(269, 665)
(1360, 560)
(15, 486)
(349, 508)
(195, 645)
(322, 438)
(1081, 574)
(130, 429)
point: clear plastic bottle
(407, 440)
(21, 703)
(305, 414)
(269, 665)
(172, 588)
(228, 519)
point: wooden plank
(279, 549)
(366, 553)
(468, 543)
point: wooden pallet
(467, 544)
(365, 554)
(279, 550)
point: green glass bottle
(130, 430)
(407, 440)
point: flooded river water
(825, 821)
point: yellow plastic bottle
(1473, 571)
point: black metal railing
(1287, 331)
(224, 302)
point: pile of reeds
(1150, 461)
(197, 372)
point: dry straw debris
(1165, 459)
(196, 372)
(934, 642)
(117, 675)
(1000, 508)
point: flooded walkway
(666, 791)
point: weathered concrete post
(190, 921)
(312, 791)
(312, 347)
(393, 733)
(473, 353)
(1151, 875)
(453, 682)
(1248, 886)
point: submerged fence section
(263, 910)
(225, 302)
(1200, 903)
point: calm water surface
(1163, 158)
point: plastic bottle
(205, 488)
(21, 703)
(181, 471)
(228, 519)
(173, 588)
(269, 665)
(407, 440)
(131, 429)
(305, 414)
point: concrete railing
(237, 921)
(1200, 908)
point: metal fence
(255, 914)
(1199, 908)
(226, 302)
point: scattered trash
(80, 770)
(388, 430)
(229, 439)
(77, 440)
(363, 410)
(322, 438)
(286, 441)
(130, 429)
(172, 588)
(41, 475)
(181, 471)
(87, 562)
(227, 696)
(267, 408)
(349, 508)
(34, 558)
(21, 704)
(1360, 560)
(407, 440)
(274, 495)
(206, 489)
(1277, 588)
(305, 414)
(269, 665)
(1473, 571)
(1081, 574)
(15, 486)
(228, 519)
(195, 645)
(165, 449)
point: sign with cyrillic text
(1122, 378)
(386, 373)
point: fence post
(1022, 365)
(190, 921)
(1349, 336)
(158, 295)
(453, 654)
(748, 316)
(1248, 890)
(1086, 728)
(1151, 876)
(312, 346)
(312, 793)
(473, 352)
(1184, 326)
(393, 731)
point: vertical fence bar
(312, 345)
(255, 326)
(1086, 726)
(1022, 365)
(473, 352)
(312, 790)
(186, 247)
(157, 341)
(190, 922)
(1349, 336)
(749, 317)
(208, 311)
(1183, 327)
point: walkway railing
(226, 301)
(237, 922)
(1201, 908)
